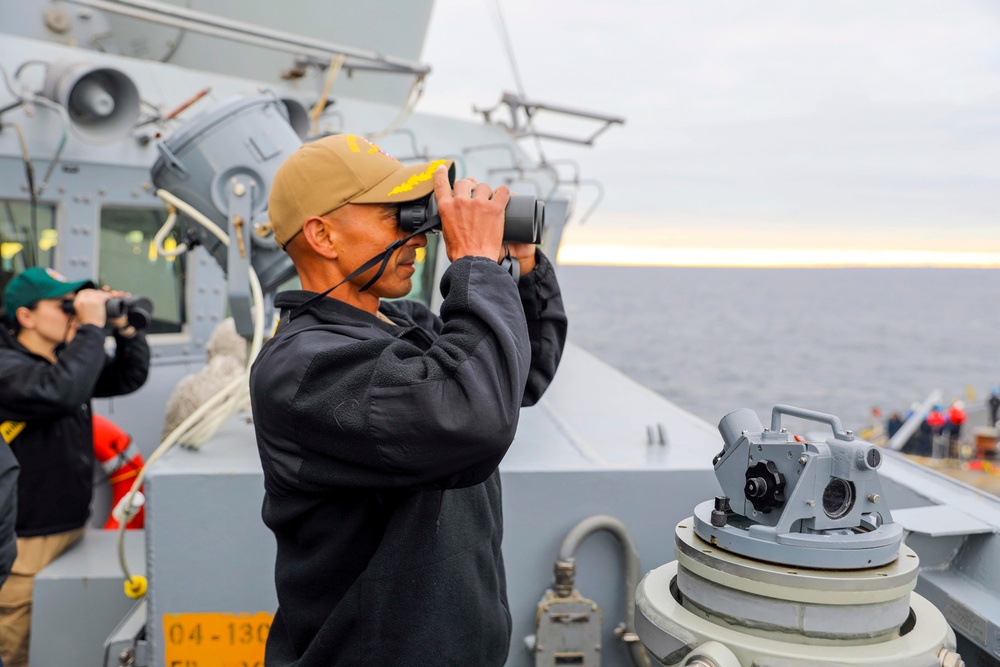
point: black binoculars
(523, 222)
(138, 309)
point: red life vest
(121, 461)
(956, 415)
(935, 418)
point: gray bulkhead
(582, 451)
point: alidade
(789, 501)
(798, 563)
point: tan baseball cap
(323, 175)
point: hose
(26, 97)
(64, 118)
(164, 231)
(565, 568)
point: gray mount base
(841, 550)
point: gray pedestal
(79, 599)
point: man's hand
(471, 216)
(524, 253)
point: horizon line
(773, 257)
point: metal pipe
(248, 33)
(597, 200)
(566, 566)
(512, 100)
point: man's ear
(319, 234)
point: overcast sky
(756, 124)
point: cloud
(852, 115)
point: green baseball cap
(38, 283)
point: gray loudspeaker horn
(298, 116)
(103, 102)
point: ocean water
(840, 341)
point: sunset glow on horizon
(620, 241)
(611, 255)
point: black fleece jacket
(380, 446)
(56, 447)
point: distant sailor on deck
(52, 362)
(381, 425)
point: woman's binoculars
(138, 309)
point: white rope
(332, 72)
(412, 97)
(164, 231)
(204, 421)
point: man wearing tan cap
(380, 425)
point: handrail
(516, 102)
(249, 33)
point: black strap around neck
(383, 258)
(509, 264)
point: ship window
(27, 237)
(129, 262)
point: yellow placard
(10, 430)
(215, 639)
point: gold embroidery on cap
(417, 179)
(352, 144)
